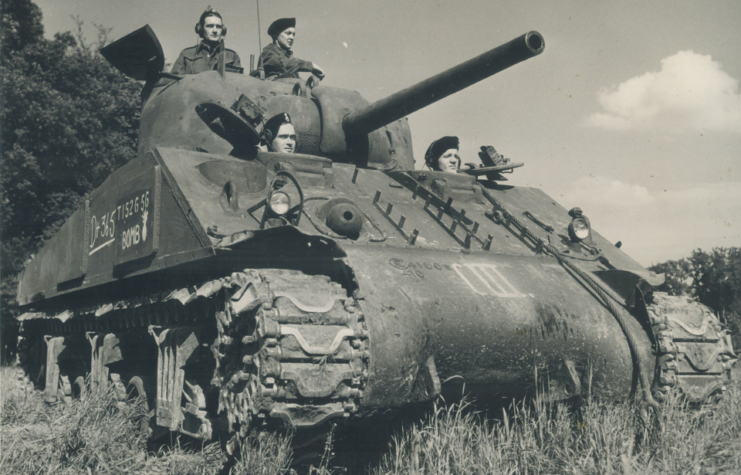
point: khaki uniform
(203, 57)
(278, 61)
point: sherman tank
(235, 288)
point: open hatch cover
(138, 55)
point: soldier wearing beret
(204, 56)
(277, 58)
(442, 156)
(279, 135)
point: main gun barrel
(431, 90)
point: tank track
(293, 348)
(694, 353)
(287, 348)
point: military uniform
(277, 61)
(203, 57)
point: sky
(632, 112)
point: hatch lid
(138, 55)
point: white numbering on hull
(485, 279)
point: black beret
(437, 148)
(273, 125)
(280, 25)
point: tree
(716, 278)
(21, 25)
(677, 274)
(713, 278)
(68, 120)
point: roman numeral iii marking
(485, 279)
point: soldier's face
(448, 161)
(212, 28)
(285, 39)
(285, 139)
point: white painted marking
(101, 247)
(486, 280)
(144, 225)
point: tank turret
(331, 122)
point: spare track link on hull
(287, 347)
(694, 353)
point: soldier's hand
(318, 71)
(312, 82)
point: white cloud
(662, 225)
(691, 92)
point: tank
(235, 288)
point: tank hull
(419, 304)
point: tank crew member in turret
(442, 156)
(279, 135)
(277, 58)
(204, 55)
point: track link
(694, 353)
(293, 349)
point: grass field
(104, 435)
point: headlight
(579, 227)
(280, 203)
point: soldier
(279, 135)
(204, 56)
(277, 58)
(442, 156)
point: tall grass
(538, 437)
(98, 435)
(101, 434)
(264, 453)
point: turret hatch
(138, 55)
